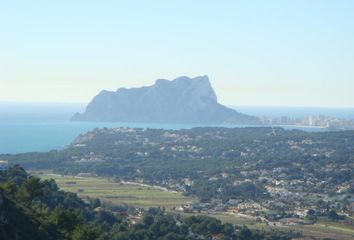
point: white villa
(4, 165)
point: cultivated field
(148, 196)
(118, 193)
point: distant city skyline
(256, 53)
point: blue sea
(39, 127)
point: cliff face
(183, 100)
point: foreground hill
(183, 100)
(34, 209)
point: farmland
(112, 192)
(137, 195)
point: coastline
(16, 137)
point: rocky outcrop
(182, 100)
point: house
(234, 202)
(85, 175)
(4, 165)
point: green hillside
(31, 208)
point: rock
(183, 100)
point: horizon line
(228, 105)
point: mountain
(182, 100)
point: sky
(256, 53)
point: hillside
(34, 209)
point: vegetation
(35, 209)
(165, 156)
(270, 175)
(111, 192)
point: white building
(4, 165)
(311, 121)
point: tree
(334, 216)
(106, 217)
(228, 229)
(245, 234)
(214, 226)
(95, 203)
(16, 174)
(311, 215)
(10, 187)
(173, 236)
(148, 220)
(30, 189)
(66, 219)
(85, 232)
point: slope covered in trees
(35, 209)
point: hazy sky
(295, 53)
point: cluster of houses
(290, 197)
(247, 209)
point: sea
(40, 127)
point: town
(320, 121)
(271, 175)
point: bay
(40, 127)
(20, 137)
